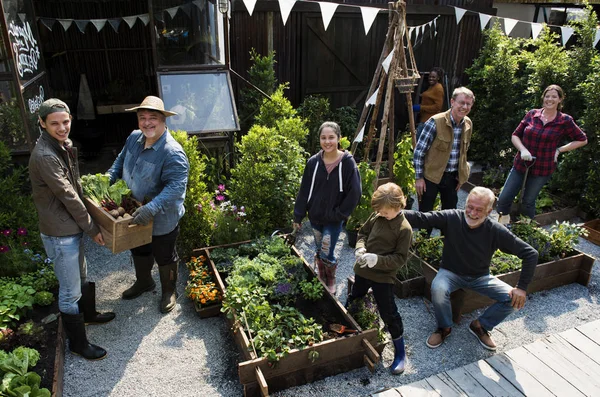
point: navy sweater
(328, 198)
(468, 252)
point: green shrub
(315, 111)
(363, 210)
(15, 300)
(404, 170)
(195, 226)
(262, 75)
(43, 298)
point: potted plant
(404, 171)
(363, 210)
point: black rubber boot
(78, 343)
(143, 273)
(168, 282)
(87, 306)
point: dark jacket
(390, 240)
(328, 198)
(56, 190)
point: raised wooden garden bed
(335, 356)
(576, 268)
(119, 235)
(593, 228)
(59, 361)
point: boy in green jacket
(382, 249)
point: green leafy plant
(15, 300)
(17, 380)
(527, 230)
(411, 270)
(494, 177)
(563, 237)
(543, 202)
(429, 248)
(366, 314)
(230, 222)
(30, 333)
(404, 170)
(195, 227)
(43, 298)
(363, 210)
(312, 290)
(504, 263)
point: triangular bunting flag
(187, 8)
(22, 17)
(81, 24)
(361, 134)
(597, 37)
(327, 11)
(114, 23)
(368, 16)
(484, 19)
(459, 12)
(250, 5)
(66, 23)
(98, 23)
(509, 25)
(386, 62)
(145, 18)
(286, 7)
(48, 22)
(172, 11)
(200, 4)
(536, 28)
(410, 30)
(159, 17)
(130, 20)
(372, 99)
(567, 32)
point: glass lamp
(223, 6)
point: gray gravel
(150, 354)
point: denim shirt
(158, 173)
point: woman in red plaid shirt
(538, 138)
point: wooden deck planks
(562, 365)
(543, 373)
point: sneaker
(482, 335)
(438, 337)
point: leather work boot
(168, 282)
(87, 306)
(78, 343)
(483, 336)
(143, 274)
(438, 337)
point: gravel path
(150, 354)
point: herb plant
(312, 290)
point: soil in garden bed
(323, 312)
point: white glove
(360, 252)
(525, 155)
(368, 260)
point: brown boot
(321, 270)
(143, 273)
(168, 282)
(330, 277)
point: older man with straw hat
(155, 168)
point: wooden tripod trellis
(402, 73)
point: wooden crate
(119, 235)
(336, 356)
(593, 228)
(573, 269)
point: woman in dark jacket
(329, 192)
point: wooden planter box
(336, 356)
(119, 235)
(593, 228)
(59, 361)
(208, 311)
(576, 268)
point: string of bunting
(327, 11)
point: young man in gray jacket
(63, 219)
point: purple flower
(221, 187)
(220, 197)
(283, 289)
(212, 205)
(4, 248)
(199, 207)
(234, 208)
(243, 209)
(7, 232)
(22, 231)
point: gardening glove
(416, 108)
(360, 252)
(368, 260)
(142, 216)
(526, 155)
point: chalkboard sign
(24, 39)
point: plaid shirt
(426, 139)
(543, 140)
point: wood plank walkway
(566, 365)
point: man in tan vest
(440, 157)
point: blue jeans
(512, 186)
(386, 303)
(446, 282)
(65, 254)
(326, 238)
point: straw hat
(153, 103)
